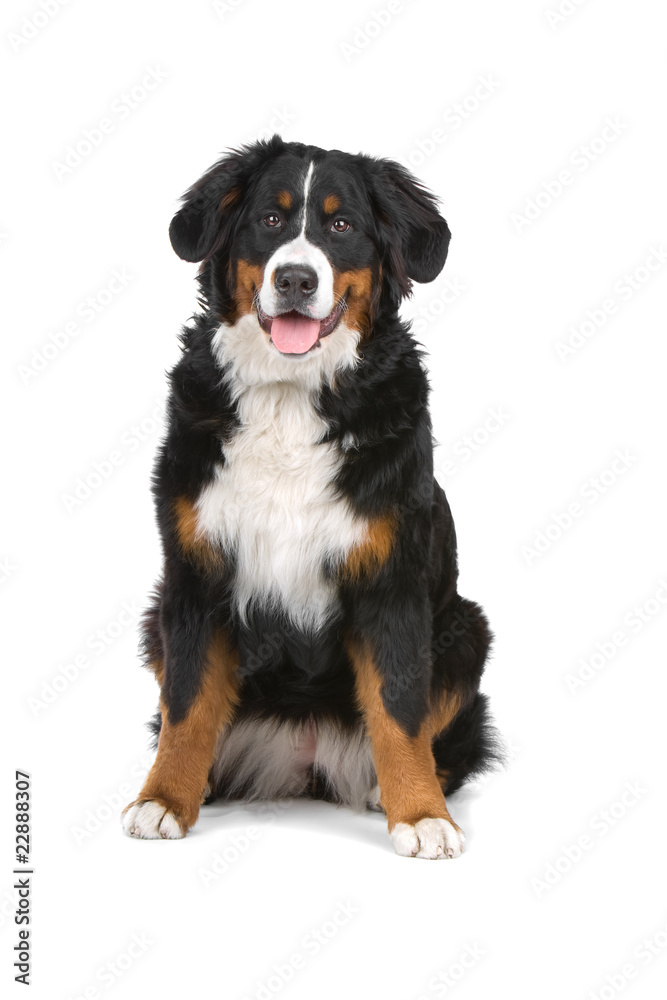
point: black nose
(295, 283)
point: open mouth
(294, 333)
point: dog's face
(303, 248)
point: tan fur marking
(229, 198)
(284, 199)
(405, 766)
(330, 204)
(358, 286)
(178, 777)
(157, 666)
(194, 546)
(443, 712)
(249, 278)
(368, 556)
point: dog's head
(304, 248)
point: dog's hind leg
(465, 741)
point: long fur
(288, 462)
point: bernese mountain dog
(307, 634)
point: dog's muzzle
(294, 332)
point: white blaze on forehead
(306, 190)
(300, 251)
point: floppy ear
(415, 236)
(200, 227)
(196, 227)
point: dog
(307, 634)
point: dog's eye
(272, 221)
(339, 226)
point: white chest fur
(273, 505)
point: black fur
(426, 638)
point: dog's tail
(471, 745)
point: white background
(530, 921)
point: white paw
(151, 821)
(428, 838)
(374, 800)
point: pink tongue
(294, 334)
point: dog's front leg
(199, 695)
(395, 707)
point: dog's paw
(428, 838)
(150, 820)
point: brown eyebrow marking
(331, 203)
(284, 199)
